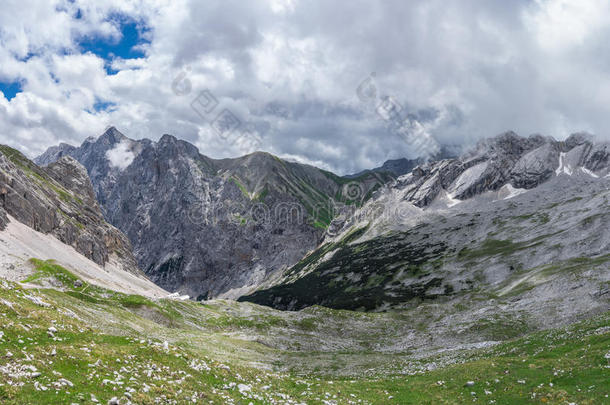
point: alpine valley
(144, 272)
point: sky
(307, 80)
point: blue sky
(10, 89)
(128, 46)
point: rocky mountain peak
(507, 145)
(506, 159)
(579, 138)
(254, 161)
(54, 153)
(402, 166)
(209, 227)
(170, 145)
(111, 136)
(167, 138)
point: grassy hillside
(77, 342)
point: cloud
(288, 70)
(121, 156)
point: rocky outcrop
(59, 200)
(598, 157)
(54, 153)
(536, 166)
(506, 159)
(402, 166)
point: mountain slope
(500, 161)
(480, 244)
(477, 233)
(52, 213)
(211, 227)
(59, 200)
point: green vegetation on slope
(361, 276)
(38, 175)
(58, 348)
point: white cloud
(560, 25)
(466, 68)
(121, 156)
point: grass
(493, 247)
(221, 352)
(49, 269)
(241, 187)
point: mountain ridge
(403, 245)
(221, 234)
(220, 225)
(59, 200)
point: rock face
(512, 209)
(506, 159)
(535, 166)
(54, 153)
(207, 227)
(542, 240)
(222, 228)
(59, 200)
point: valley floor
(78, 343)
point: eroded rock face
(536, 166)
(506, 159)
(54, 153)
(207, 227)
(598, 157)
(210, 228)
(59, 200)
(73, 176)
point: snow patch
(176, 296)
(121, 156)
(452, 201)
(566, 169)
(589, 172)
(512, 191)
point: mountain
(59, 200)
(54, 153)
(212, 227)
(520, 223)
(399, 167)
(495, 285)
(500, 161)
(52, 213)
